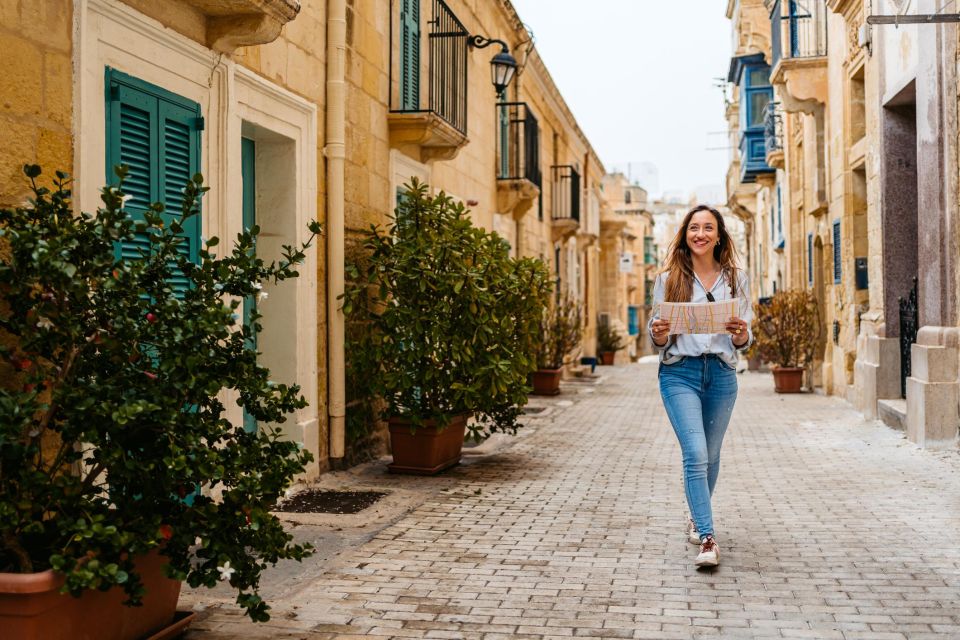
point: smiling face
(702, 233)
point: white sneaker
(709, 553)
(692, 536)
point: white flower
(226, 571)
(127, 198)
(263, 295)
(34, 432)
(256, 285)
(44, 323)
(199, 542)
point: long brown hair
(679, 263)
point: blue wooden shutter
(837, 264)
(410, 55)
(157, 135)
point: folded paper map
(699, 317)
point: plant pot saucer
(421, 471)
(181, 620)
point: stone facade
(37, 90)
(866, 166)
(629, 265)
(259, 70)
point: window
(756, 92)
(409, 55)
(837, 270)
(810, 259)
(156, 133)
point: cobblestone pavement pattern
(829, 526)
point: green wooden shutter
(410, 55)
(248, 153)
(156, 133)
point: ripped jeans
(698, 393)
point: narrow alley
(830, 527)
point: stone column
(932, 389)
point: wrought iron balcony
(566, 193)
(798, 29)
(773, 134)
(565, 199)
(519, 180)
(518, 143)
(435, 120)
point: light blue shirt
(696, 344)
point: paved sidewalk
(830, 527)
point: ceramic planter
(788, 379)
(32, 607)
(427, 450)
(607, 357)
(546, 382)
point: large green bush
(449, 320)
(113, 438)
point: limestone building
(628, 254)
(855, 159)
(299, 110)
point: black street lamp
(502, 67)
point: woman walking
(698, 380)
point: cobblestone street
(829, 526)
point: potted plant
(451, 323)
(609, 341)
(560, 332)
(120, 475)
(786, 330)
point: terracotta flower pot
(788, 379)
(32, 607)
(607, 357)
(546, 382)
(427, 450)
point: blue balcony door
(633, 320)
(248, 160)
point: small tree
(786, 330)
(446, 321)
(560, 332)
(113, 438)
(609, 339)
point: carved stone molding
(516, 196)
(241, 23)
(425, 136)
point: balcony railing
(798, 29)
(773, 127)
(566, 193)
(446, 68)
(518, 143)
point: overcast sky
(639, 78)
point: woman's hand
(738, 331)
(661, 331)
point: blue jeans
(698, 393)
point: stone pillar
(933, 394)
(876, 372)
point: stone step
(893, 412)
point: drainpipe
(334, 152)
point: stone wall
(36, 91)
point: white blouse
(696, 344)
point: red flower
(166, 531)
(150, 375)
(151, 318)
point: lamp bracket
(480, 42)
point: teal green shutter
(248, 155)
(410, 55)
(156, 133)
